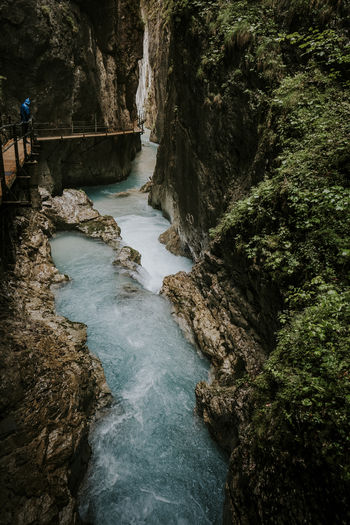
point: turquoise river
(153, 461)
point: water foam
(153, 461)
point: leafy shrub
(295, 223)
(304, 389)
(294, 226)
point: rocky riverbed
(51, 385)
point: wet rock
(50, 387)
(70, 209)
(103, 227)
(129, 290)
(128, 258)
(192, 314)
(74, 210)
(172, 242)
(146, 187)
(121, 194)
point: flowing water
(153, 461)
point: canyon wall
(51, 386)
(77, 61)
(156, 69)
(85, 162)
(208, 155)
(253, 172)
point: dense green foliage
(293, 56)
(296, 222)
(304, 391)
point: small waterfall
(145, 73)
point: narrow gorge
(174, 302)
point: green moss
(302, 206)
(304, 391)
(72, 23)
(294, 226)
(290, 60)
(45, 11)
(69, 17)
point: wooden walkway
(9, 157)
(89, 135)
(41, 133)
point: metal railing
(11, 133)
(10, 136)
(52, 129)
(80, 127)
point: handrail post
(15, 140)
(24, 139)
(31, 136)
(2, 174)
(24, 133)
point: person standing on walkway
(25, 117)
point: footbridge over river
(20, 147)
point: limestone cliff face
(207, 154)
(158, 50)
(230, 127)
(50, 386)
(230, 313)
(77, 60)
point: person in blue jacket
(25, 116)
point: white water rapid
(153, 461)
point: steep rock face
(88, 162)
(50, 387)
(77, 61)
(158, 52)
(233, 325)
(172, 241)
(208, 151)
(249, 116)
